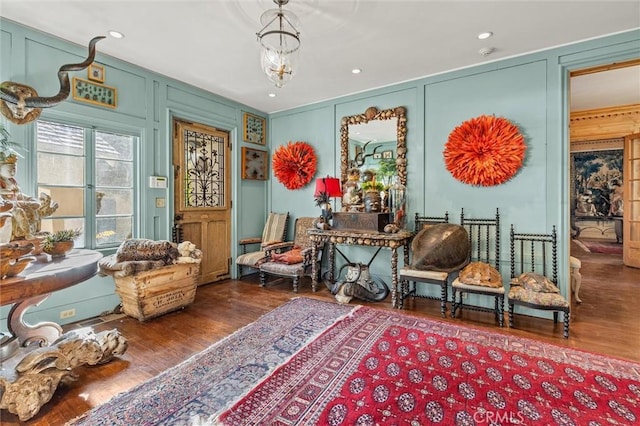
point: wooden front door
(202, 205)
(631, 201)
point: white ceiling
(211, 44)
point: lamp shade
(328, 185)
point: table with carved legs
(36, 358)
(333, 237)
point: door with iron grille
(202, 205)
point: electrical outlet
(68, 313)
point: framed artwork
(387, 154)
(254, 164)
(254, 129)
(96, 73)
(597, 183)
(94, 93)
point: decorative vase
(59, 249)
(398, 203)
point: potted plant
(6, 146)
(59, 243)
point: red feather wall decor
(485, 150)
(294, 164)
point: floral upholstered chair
(275, 231)
(291, 259)
(531, 289)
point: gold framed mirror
(375, 137)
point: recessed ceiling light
(356, 71)
(272, 95)
(485, 35)
(116, 34)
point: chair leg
(566, 315)
(296, 280)
(443, 300)
(555, 317)
(263, 279)
(511, 315)
(500, 310)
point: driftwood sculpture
(21, 104)
(30, 378)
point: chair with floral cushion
(531, 289)
(291, 259)
(275, 231)
(481, 276)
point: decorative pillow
(535, 282)
(289, 257)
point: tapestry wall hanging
(597, 183)
(484, 151)
(294, 164)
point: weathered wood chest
(153, 293)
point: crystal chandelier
(279, 40)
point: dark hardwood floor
(606, 322)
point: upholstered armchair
(275, 231)
(291, 259)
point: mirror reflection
(373, 157)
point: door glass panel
(70, 200)
(53, 225)
(60, 169)
(204, 169)
(110, 230)
(114, 201)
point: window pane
(70, 200)
(114, 173)
(53, 225)
(111, 145)
(61, 138)
(114, 201)
(113, 230)
(60, 169)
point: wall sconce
(327, 188)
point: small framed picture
(254, 129)
(96, 73)
(377, 155)
(387, 154)
(94, 93)
(254, 164)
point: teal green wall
(147, 102)
(530, 90)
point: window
(90, 174)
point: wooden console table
(36, 358)
(370, 239)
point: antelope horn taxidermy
(21, 103)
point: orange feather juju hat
(485, 151)
(294, 164)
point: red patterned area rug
(312, 362)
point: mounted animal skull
(21, 104)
